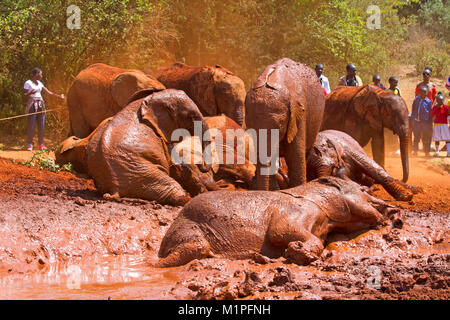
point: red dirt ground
(49, 220)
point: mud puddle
(104, 277)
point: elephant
(293, 223)
(286, 96)
(73, 150)
(215, 90)
(363, 113)
(100, 91)
(130, 155)
(335, 153)
(233, 167)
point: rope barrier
(30, 114)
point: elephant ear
(126, 84)
(147, 115)
(272, 77)
(142, 94)
(69, 144)
(339, 151)
(367, 105)
(296, 114)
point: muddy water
(109, 276)
(74, 223)
(131, 276)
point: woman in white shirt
(32, 90)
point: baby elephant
(73, 150)
(335, 153)
(293, 222)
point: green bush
(429, 53)
(42, 160)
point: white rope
(29, 114)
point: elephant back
(126, 84)
(100, 91)
(294, 85)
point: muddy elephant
(73, 150)
(130, 155)
(293, 223)
(100, 91)
(335, 153)
(363, 113)
(230, 150)
(215, 90)
(286, 96)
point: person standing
(440, 128)
(32, 91)
(323, 80)
(350, 79)
(393, 86)
(377, 81)
(432, 91)
(421, 120)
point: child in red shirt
(441, 131)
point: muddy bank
(54, 223)
(47, 217)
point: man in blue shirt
(421, 121)
(377, 81)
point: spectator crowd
(429, 115)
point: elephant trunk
(205, 166)
(404, 143)
(238, 116)
(316, 168)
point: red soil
(49, 219)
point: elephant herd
(125, 130)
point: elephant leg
(296, 158)
(365, 180)
(371, 169)
(378, 148)
(153, 183)
(265, 174)
(78, 125)
(262, 181)
(302, 246)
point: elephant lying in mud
(129, 156)
(215, 90)
(73, 150)
(293, 222)
(100, 91)
(335, 153)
